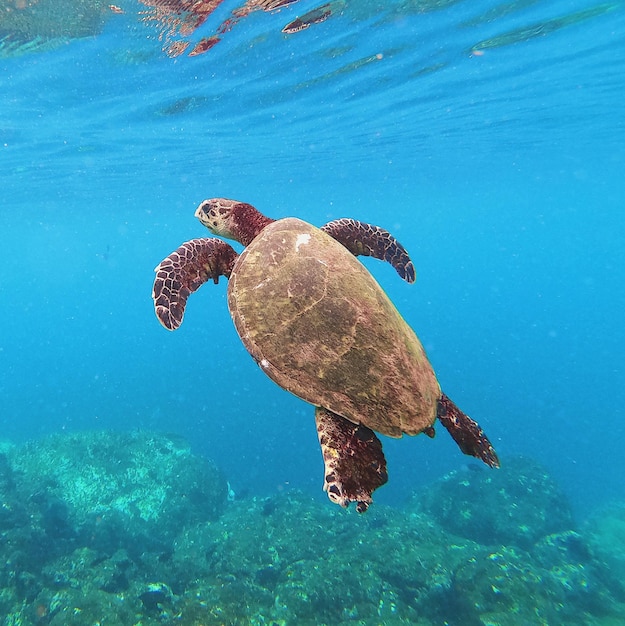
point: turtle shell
(321, 327)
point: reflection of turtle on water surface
(321, 327)
(39, 25)
(315, 16)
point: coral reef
(132, 528)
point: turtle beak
(202, 213)
(208, 215)
(216, 215)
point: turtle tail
(185, 271)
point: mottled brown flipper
(354, 462)
(367, 240)
(466, 432)
(185, 271)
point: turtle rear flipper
(368, 240)
(354, 462)
(185, 271)
(466, 432)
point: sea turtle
(321, 327)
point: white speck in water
(302, 239)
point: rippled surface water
(477, 79)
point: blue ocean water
(489, 137)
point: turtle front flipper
(354, 462)
(185, 271)
(466, 432)
(368, 240)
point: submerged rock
(605, 534)
(117, 528)
(287, 560)
(516, 505)
(114, 489)
(79, 512)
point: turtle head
(232, 219)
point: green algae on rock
(116, 489)
(84, 515)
